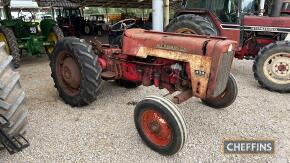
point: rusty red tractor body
(261, 27)
(199, 67)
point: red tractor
(261, 28)
(199, 66)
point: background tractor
(23, 33)
(96, 24)
(71, 21)
(261, 27)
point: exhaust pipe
(276, 9)
(262, 7)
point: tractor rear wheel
(192, 24)
(11, 97)
(272, 67)
(160, 125)
(226, 98)
(54, 36)
(75, 71)
(11, 47)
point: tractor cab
(234, 17)
(70, 20)
(232, 11)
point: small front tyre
(160, 125)
(226, 98)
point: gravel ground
(104, 131)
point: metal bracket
(13, 144)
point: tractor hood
(212, 56)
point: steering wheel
(23, 16)
(123, 25)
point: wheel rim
(156, 128)
(52, 37)
(185, 31)
(87, 29)
(68, 74)
(277, 68)
(3, 39)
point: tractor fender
(46, 26)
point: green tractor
(25, 33)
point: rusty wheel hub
(185, 31)
(71, 73)
(156, 128)
(68, 73)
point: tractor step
(13, 144)
(108, 75)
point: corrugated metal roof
(103, 3)
(121, 3)
(96, 3)
(57, 3)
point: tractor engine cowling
(208, 59)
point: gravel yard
(104, 131)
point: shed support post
(157, 7)
(166, 12)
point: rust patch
(199, 66)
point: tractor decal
(268, 29)
(255, 28)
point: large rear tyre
(75, 71)
(11, 47)
(192, 24)
(272, 67)
(11, 97)
(160, 125)
(226, 98)
(54, 36)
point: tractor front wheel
(75, 71)
(88, 29)
(160, 125)
(226, 98)
(272, 67)
(11, 47)
(54, 36)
